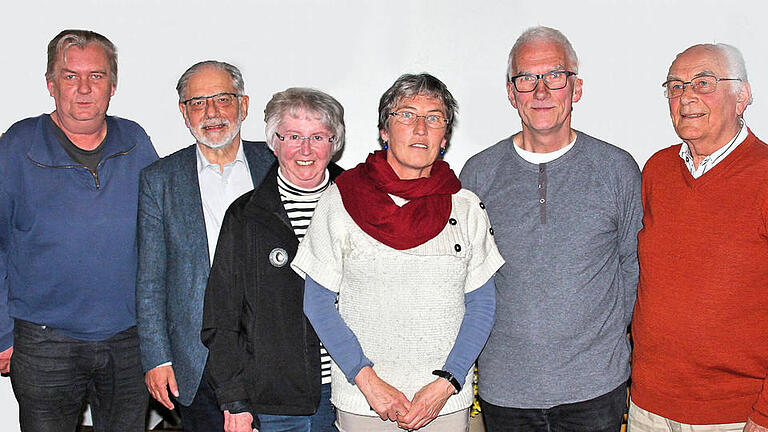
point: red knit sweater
(700, 324)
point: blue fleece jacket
(67, 234)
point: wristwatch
(451, 379)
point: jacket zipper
(95, 173)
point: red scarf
(364, 191)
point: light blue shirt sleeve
(479, 312)
(337, 337)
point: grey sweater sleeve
(630, 208)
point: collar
(203, 163)
(298, 190)
(48, 151)
(539, 158)
(715, 157)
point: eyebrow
(65, 70)
(557, 67)
(705, 72)
(412, 108)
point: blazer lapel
(187, 197)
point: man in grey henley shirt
(566, 210)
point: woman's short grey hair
(539, 34)
(58, 46)
(233, 71)
(296, 99)
(424, 84)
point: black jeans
(53, 374)
(203, 414)
(601, 414)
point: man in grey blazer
(182, 201)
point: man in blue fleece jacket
(68, 199)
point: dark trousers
(53, 375)
(203, 414)
(601, 414)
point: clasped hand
(391, 404)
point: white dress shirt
(218, 190)
(715, 157)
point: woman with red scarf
(399, 263)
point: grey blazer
(174, 263)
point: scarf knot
(365, 191)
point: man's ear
(743, 98)
(511, 94)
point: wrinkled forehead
(540, 56)
(697, 61)
(421, 101)
(209, 81)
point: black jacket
(264, 355)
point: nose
(420, 127)
(84, 86)
(541, 91)
(211, 110)
(688, 94)
(306, 147)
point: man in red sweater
(700, 323)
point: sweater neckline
(570, 154)
(721, 168)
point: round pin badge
(278, 257)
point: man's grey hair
(423, 84)
(545, 34)
(311, 101)
(66, 39)
(233, 71)
(734, 62)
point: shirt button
(542, 200)
(482, 206)
(490, 230)
(457, 247)
(452, 221)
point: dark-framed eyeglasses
(554, 80)
(703, 84)
(296, 139)
(434, 121)
(221, 100)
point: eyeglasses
(703, 84)
(221, 100)
(554, 80)
(434, 121)
(296, 139)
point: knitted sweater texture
(404, 306)
(701, 317)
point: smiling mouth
(419, 145)
(214, 127)
(305, 162)
(693, 115)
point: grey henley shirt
(568, 232)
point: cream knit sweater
(405, 307)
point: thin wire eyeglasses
(554, 80)
(296, 139)
(221, 100)
(434, 121)
(703, 84)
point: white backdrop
(354, 50)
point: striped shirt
(299, 204)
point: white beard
(223, 142)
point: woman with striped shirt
(265, 358)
